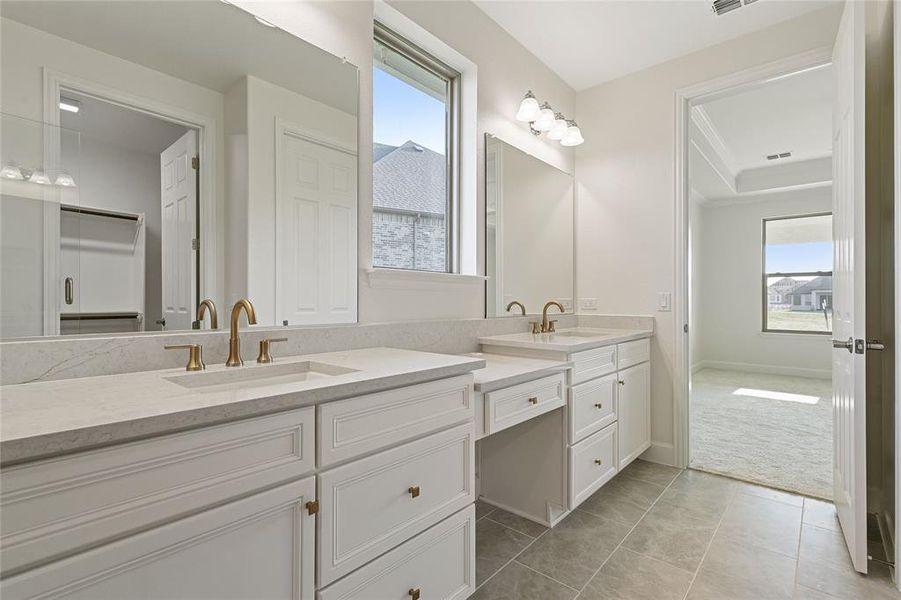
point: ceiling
(587, 43)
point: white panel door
(316, 239)
(178, 186)
(848, 366)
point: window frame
(765, 291)
(384, 35)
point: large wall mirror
(529, 231)
(155, 154)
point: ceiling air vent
(778, 156)
(721, 7)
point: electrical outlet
(588, 303)
(664, 302)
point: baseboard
(768, 369)
(660, 452)
(518, 512)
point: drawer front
(509, 406)
(592, 406)
(373, 504)
(592, 462)
(632, 353)
(62, 504)
(439, 563)
(362, 425)
(594, 363)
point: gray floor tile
(672, 534)
(516, 582)
(701, 495)
(742, 572)
(764, 523)
(771, 494)
(495, 546)
(483, 509)
(623, 499)
(573, 550)
(636, 577)
(805, 593)
(517, 523)
(822, 514)
(651, 472)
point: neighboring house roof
(408, 178)
(784, 283)
(817, 284)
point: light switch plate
(664, 302)
(588, 303)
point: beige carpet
(769, 429)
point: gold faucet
(519, 304)
(548, 326)
(207, 304)
(234, 342)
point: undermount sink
(582, 333)
(256, 376)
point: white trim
(468, 129)
(684, 98)
(765, 369)
(705, 125)
(661, 453)
(212, 225)
(897, 235)
(404, 279)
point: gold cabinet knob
(414, 491)
(599, 406)
(265, 356)
(195, 355)
(414, 593)
(533, 400)
(598, 461)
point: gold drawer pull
(599, 406)
(414, 593)
(414, 493)
(533, 400)
(598, 461)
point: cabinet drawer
(59, 505)
(592, 406)
(375, 503)
(592, 462)
(440, 563)
(590, 364)
(509, 406)
(632, 353)
(362, 425)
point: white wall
(730, 295)
(625, 185)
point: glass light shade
(573, 136)
(545, 119)
(11, 171)
(39, 177)
(558, 130)
(65, 180)
(528, 109)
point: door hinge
(195, 163)
(194, 244)
(312, 507)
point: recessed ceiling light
(264, 21)
(69, 105)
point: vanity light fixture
(40, 177)
(11, 171)
(65, 180)
(69, 105)
(542, 119)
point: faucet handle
(536, 327)
(265, 356)
(195, 355)
(550, 326)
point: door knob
(846, 344)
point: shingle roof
(824, 282)
(409, 178)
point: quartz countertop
(501, 371)
(565, 340)
(45, 419)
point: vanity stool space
(549, 464)
(361, 497)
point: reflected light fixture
(40, 177)
(11, 171)
(65, 180)
(69, 105)
(542, 119)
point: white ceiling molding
(702, 121)
(803, 193)
(708, 154)
(815, 172)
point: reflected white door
(849, 366)
(316, 233)
(178, 184)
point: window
(797, 278)
(414, 194)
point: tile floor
(660, 533)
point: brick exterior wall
(408, 241)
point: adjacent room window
(797, 278)
(414, 193)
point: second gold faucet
(234, 341)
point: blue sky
(810, 256)
(401, 113)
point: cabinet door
(260, 547)
(634, 412)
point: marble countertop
(565, 340)
(48, 418)
(501, 371)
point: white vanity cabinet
(634, 402)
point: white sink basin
(257, 376)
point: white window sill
(405, 279)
